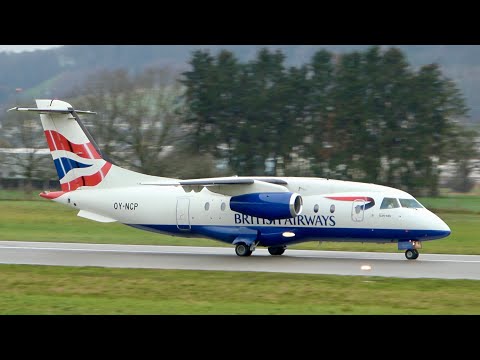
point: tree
(201, 99)
(349, 126)
(320, 138)
(436, 104)
(26, 141)
(140, 117)
(262, 134)
(364, 116)
(464, 155)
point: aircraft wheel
(276, 250)
(411, 254)
(243, 250)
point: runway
(439, 266)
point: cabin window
(389, 203)
(315, 208)
(410, 203)
(332, 208)
(207, 205)
(223, 206)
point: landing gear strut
(411, 254)
(276, 250)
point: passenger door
(183, 216)
(358, 210)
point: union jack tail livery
(76, 156)
(78, 159)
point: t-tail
(78, 159)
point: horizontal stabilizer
(95, 217)
(52, 110)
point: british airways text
(306, 220)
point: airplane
(244, 211)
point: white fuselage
(332, 210)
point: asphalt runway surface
(439, 266)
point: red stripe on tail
(96, 178)
(72, 185)
(57, 141)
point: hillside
(45, 73)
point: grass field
(458, 204)
(26, 289)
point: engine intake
(271, 205)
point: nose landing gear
(410, 247)
(411, 254)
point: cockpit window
(410, 203)
(389, 203)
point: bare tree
(140, 118)
(25, 153)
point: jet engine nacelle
(268, 205)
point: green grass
(47, 221)
(31, 289)
(457, 203)
(19, 195)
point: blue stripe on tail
(64, 165)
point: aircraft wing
(228, 186)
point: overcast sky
(20, 48)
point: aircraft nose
(442, 227)
(446, 230)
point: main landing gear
(245, 244)
(243, 249)
(276, 250)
